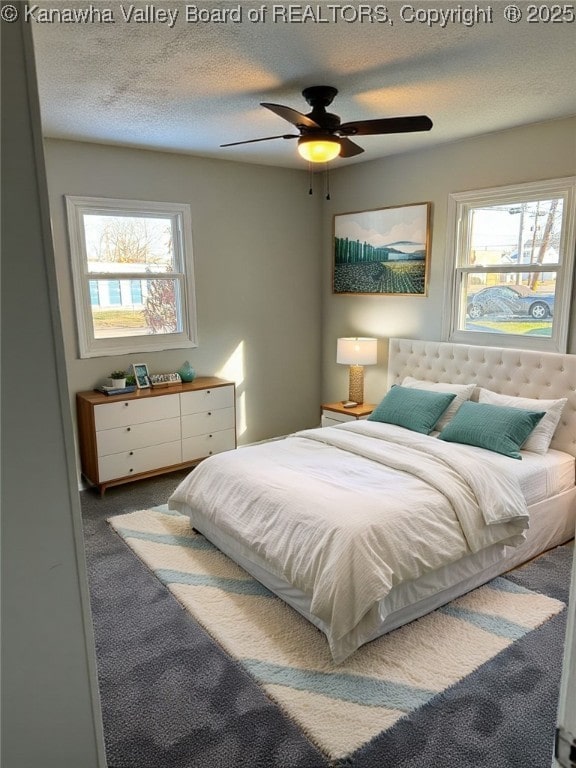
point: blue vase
(186, 372)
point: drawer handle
(207, 391)
(209, 435)
(128, 429)
(131, 453)
(209, 453)
(209, 413)
(126, 404)
(131, 470)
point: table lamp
(357, 353)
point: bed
(368, 525)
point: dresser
(150, 432)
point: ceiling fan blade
(294, 117)
(266, 138)
(386, 125)
(349, 148)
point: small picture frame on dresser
(141, 375)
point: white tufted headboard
(517, 372)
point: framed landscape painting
(383, 252)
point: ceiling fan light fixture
(322, 136)
(318, 149)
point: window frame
(456, 269)
(180, 213)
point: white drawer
(127, 412)
(200, 446)
(137, 436)
(209, 421)
(207, 400)
(331, 418)
(328, 421)
(140, 460)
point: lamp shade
(357, 351)
(318, 148)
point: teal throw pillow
(497, 428)
(415, 409)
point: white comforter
(345, 513)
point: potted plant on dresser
(118, 379)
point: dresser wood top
(201, 382)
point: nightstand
(335, 413)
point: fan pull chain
(311, 180)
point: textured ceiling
(191, 86)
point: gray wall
(263, 259)
(529, 153)
(257, 260)
(50, 710)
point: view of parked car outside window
(520, 243)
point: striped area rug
(341, 707)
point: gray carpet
(171, 698)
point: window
(94, 293)
(133, 275)
(510, 265)
(114, 294)
(136, 291)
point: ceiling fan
(322, 136)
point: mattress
(551, 524)
(538, 477)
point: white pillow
(463, 392)
(538, 441)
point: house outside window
(133, 275)
(510, 265)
